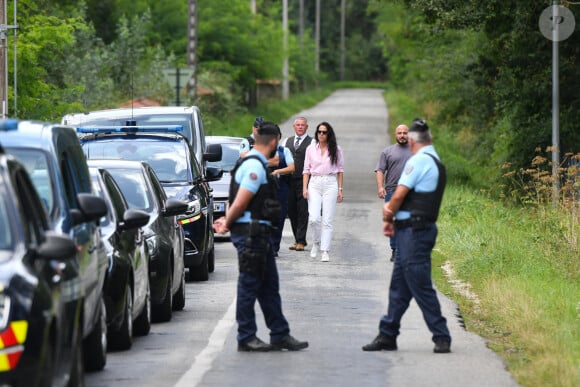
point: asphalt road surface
(336, 305)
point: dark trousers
(283, 192)
(411, 278)
(298, 211)
(265, 289)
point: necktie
(297, 143)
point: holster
(253, 258)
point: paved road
(336, 306)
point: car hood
(221, 188)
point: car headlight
(193, 211)
(153, 245)
(4, 310)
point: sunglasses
(322, 132)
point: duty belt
(416, 222)
(252, 229)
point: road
(336, 306)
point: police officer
(253, 211)
(411, 214)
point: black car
(41, 298)
(175, 164)
(57, 166)
(127, 292)
(163, 234)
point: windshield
(36, 163)
(230, 154)
(167, 158)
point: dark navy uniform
(416, 233)
(251, 235)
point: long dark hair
(331, 139)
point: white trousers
(322, 198)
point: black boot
(382, 342)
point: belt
(415, 222)
(252, 229)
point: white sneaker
(314, 250)
(325, 257)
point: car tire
(211, 260)
(201, 272)
(123, 338)
(142, 325)
(95, 345)
(179, 298)
(163, 311)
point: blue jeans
(266, 290)
(411, 278)
(392, 240)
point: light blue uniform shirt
(251, 175)
(421, 174)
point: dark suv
(54, 159)
(175, 164)
(40, 300)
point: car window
(36, 164)
(107, 219)
(6, 234)
(33, 217)
(134, 188)
(230, 155)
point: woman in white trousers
(322, 178)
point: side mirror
(133, 219)
(213, 173)
(56, 247)
(92, 208)
(175, 207)
(213, 152)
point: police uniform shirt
(251, 175)
(288, 156)
(421, 174)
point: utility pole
(342, 37)
(317, 40)
(301, 23)
(285, 67)
(3, 60)
(192, 45)
(253, 6)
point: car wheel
(95, 345)
(179, 298)
(143, 321)
(201, 272)
(123, 338)
(162, 312)
(211, 260)
(77, 372)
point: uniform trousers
(283, 192)
(298, 210)
(265, 289)
(411, 278)
(322, 196)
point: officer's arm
(241, 202)
(392, 206)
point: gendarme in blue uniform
(264, 284)
(416, 233)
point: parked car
(41, 300)
(54, 159)
(163, 234)
(174, 163)
(230, 154)
(189, 118)
(127, 292)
